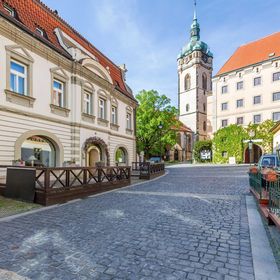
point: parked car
(269, 161)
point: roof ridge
(257, 40)
(52, 12)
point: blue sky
(147, 35)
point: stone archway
(99, 143)
(52, 138)
(256, 154)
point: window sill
(114, 126)
(63, 112)
(102, 122)
(129, 131)
(88, 117)
(16, 98)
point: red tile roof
(182, 128)
(33, 13)
(253, 53)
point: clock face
(205, 58)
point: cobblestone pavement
(190, 224)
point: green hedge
(199, 146)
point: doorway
(94, 156)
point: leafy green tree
(228, 142)
(155, 109)
(263, 132)
(199, 146)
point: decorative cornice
(63, 122)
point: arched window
(121, 156)
(204, 126)
(204, 107)
(38, 151)
(204, 81)
(187, 82)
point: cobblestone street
(190, 224)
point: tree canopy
(155, 109)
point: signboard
(231, 160)
(205, 154)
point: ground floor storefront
(30, 141)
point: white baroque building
(247, 88)
(61, 99)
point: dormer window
(9, 10)
(40, 31)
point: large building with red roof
(61, 99)
(247, 87)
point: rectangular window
(240, 120)
(224, 154)
(276, 96)
(276, 76)
(276, 116)
(257, 99)
(18, 78)
(114, 115)
(239, 85)
(101, 109)
(128, 121)
(87, 103)
(257, 81)
(58, 93)
(224, 106)
(257, 118)
(224, 123)
(224, 89)
(239, 103)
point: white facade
(257, 101)
(67, 127)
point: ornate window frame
(114, 104)
(57, 73)
(26, 59)
(88, 88)
(129, 130)
(101, 94)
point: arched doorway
(96, 152)
(121, 156)
(38, 150)
(256, 153)
(176, 155)
(94, 155)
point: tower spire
(194, 14)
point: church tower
(195, 63)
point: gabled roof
(252, 53)
(31, 14)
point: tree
(155, 109)
(263, 132)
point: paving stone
(190, 224)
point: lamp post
(251, 134)
(160, 126)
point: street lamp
(160, 126)
(251, 134)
